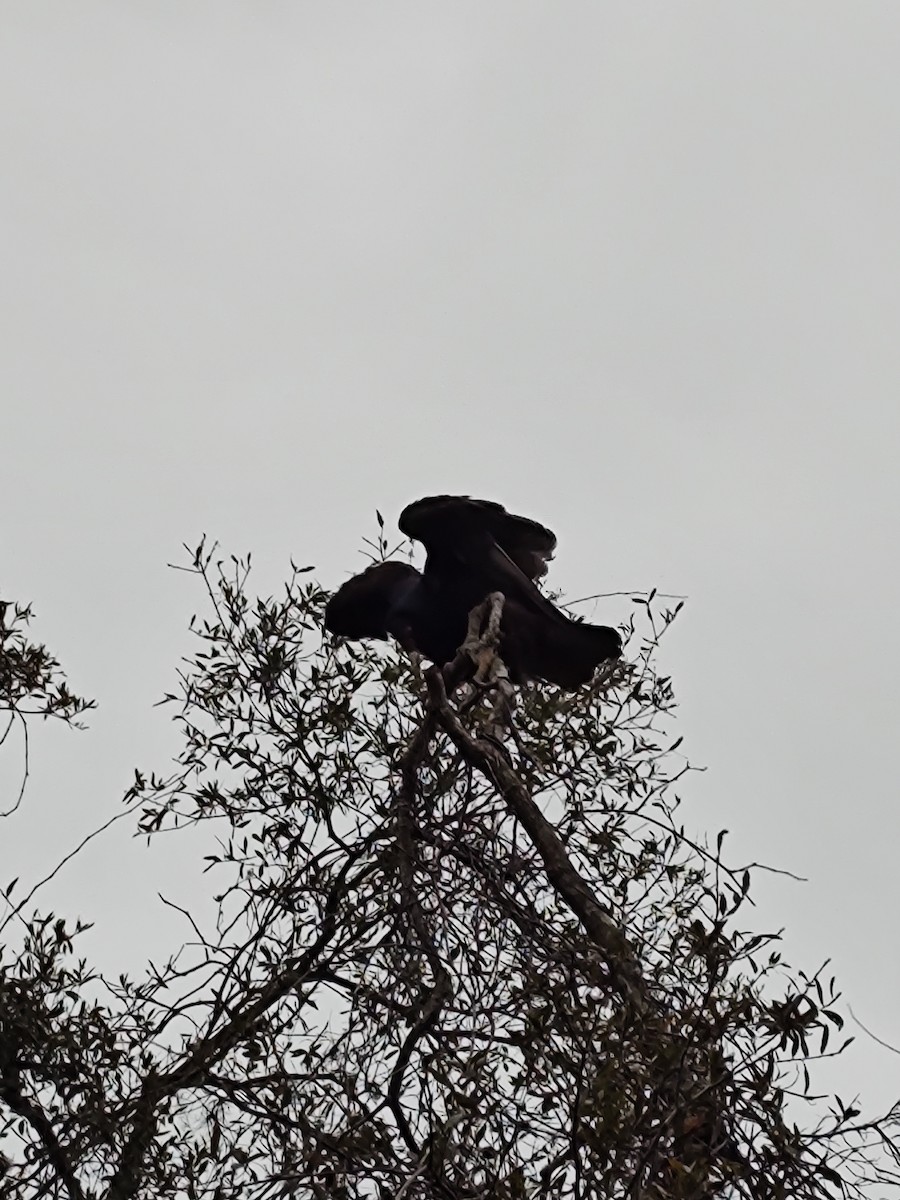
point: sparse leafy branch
(31, 685)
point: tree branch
(11, 1094)
(126, 1180)
(409, 768)
(568, 884)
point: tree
(450, 959)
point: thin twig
(873, 1036)
(758, 866)
(59, 866)
(630, 592)
(9, 812)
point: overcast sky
(631, 269)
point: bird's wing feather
(439, 522)
(361, 607)
(513, 581)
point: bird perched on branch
(474, 547)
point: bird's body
(474, 547)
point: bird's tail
(568, 652)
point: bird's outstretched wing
(362, 607)
(444, 523)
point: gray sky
(631, 269)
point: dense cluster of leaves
(442, 965)
(31, 684)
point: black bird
(474, 547)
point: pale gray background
(633, 269)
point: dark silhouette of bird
(474, 547)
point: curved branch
(12, 1095)
(126, 1180)
(607, 936)
(440, 992)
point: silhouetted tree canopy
(443, 963)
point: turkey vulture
(474, 547)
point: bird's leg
(482, 647)
(504, 706)
(472, 645)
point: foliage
(445, 962)
(31, 684)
